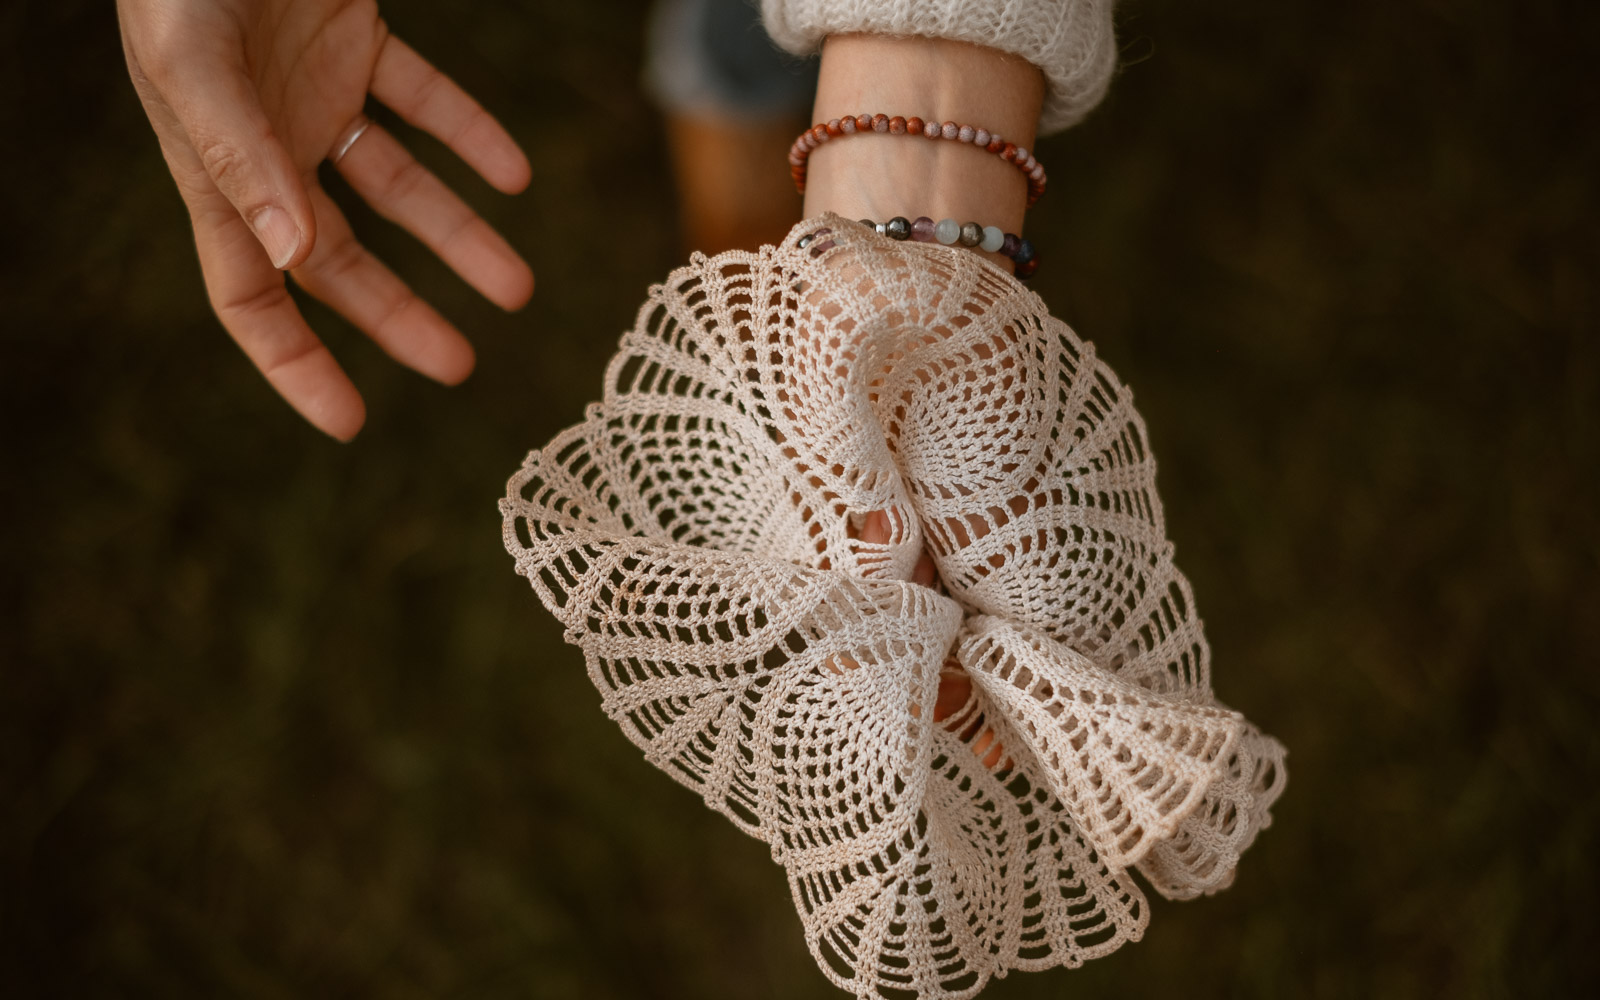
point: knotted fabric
(700, 537)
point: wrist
(879, 177)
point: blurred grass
(277, 719)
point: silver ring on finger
(348, 137)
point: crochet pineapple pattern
(700, 537)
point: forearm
(879, 177)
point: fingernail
(278, 233)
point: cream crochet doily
(700, 537)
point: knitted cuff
(1072, 41)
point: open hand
(248, 97)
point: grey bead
(971, 234)
(899, 228)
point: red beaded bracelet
(816, 135)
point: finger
(250, 299)
(954, 690)
(431, 101)
(220, 112)
(839, 664)
(405, 192)
(984, 742)
(876, 529)
(355, 284)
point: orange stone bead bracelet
(982, 138)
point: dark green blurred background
(277, 719)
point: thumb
(220, 110)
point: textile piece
(699, 535)
(1072, 41)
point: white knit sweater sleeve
(1070, 40)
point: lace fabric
(700, 537)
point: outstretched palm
(248, 98)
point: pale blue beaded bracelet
(950, 232)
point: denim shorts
(713, 57)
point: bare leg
(734, 191)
